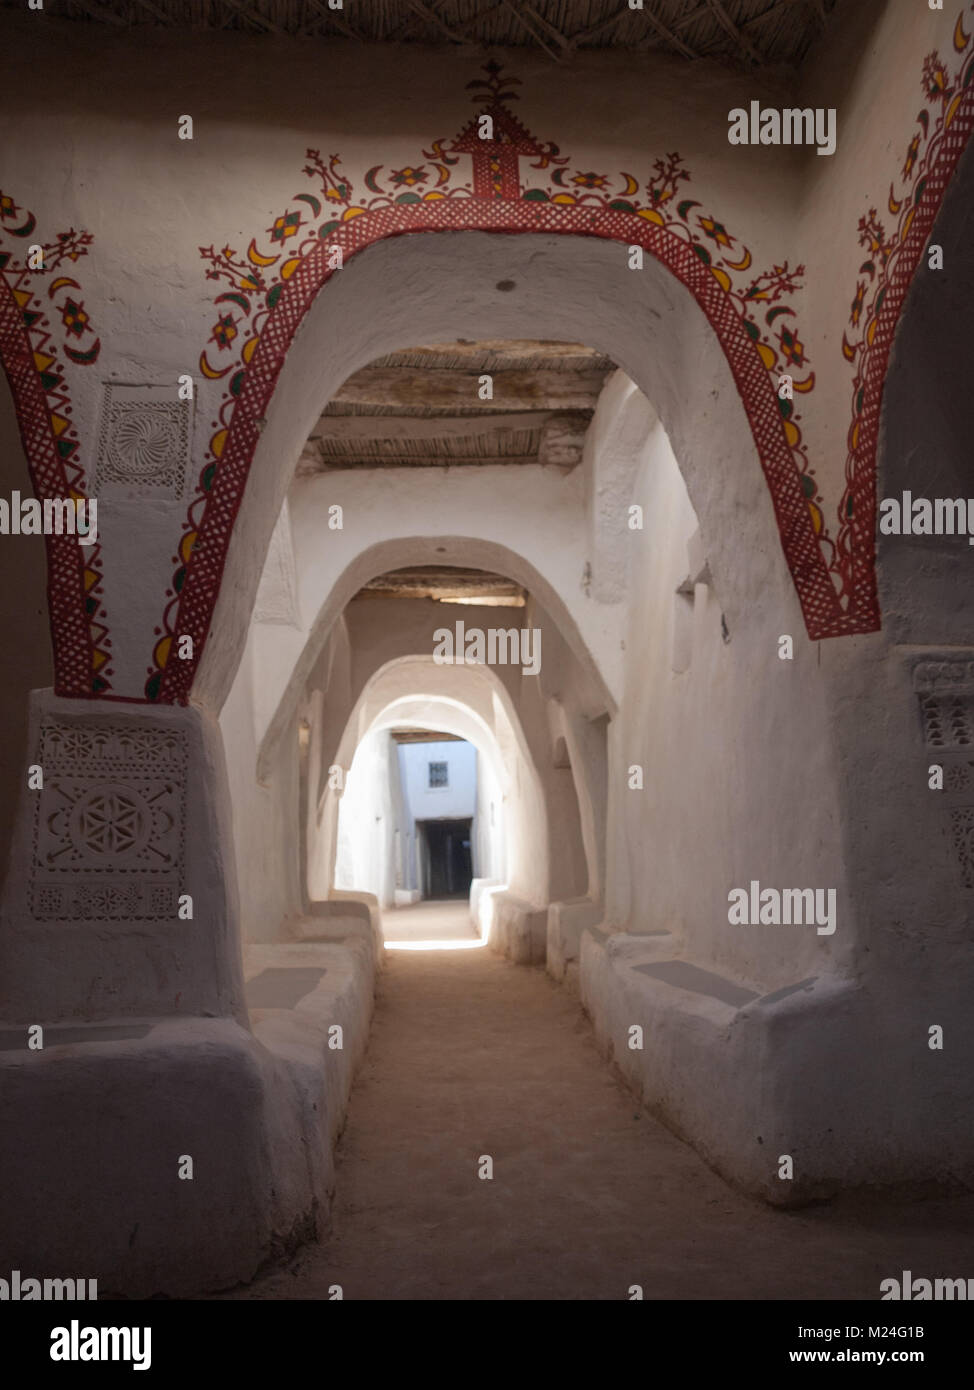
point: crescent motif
(311, 200)
(59, 283)
(84, 357)
(27, 228)
(255, 258)
(239, 299)
(209, 371)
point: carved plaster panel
(945, 690)
(144, 440)
(109, 825)
(962, 835)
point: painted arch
(518, 184)
(46, 336)
(835, 579)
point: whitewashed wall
(458, 799)
(368, 821)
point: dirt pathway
(472, 1056)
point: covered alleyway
(470, 1055)
(442, 456)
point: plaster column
(121, 897)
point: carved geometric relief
(959, 777)
(946, 693)
(144, 440)
(941, 676)
(948, 720)
(962, 831)
(945, 690)
(109, 825)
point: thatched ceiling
(423, 736)
(446, 584)
(422, 406)
(745, 32)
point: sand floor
(469, 1056)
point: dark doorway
(446, 858)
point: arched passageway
(716, 827)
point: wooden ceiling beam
(730, 28)
(572, 354)
(488, 12)
(153, 10)
(594, 29)
(549, 28)
(431, 17)
(237, 7)
(443, 389)
(311, 467)
(331, 16)
(451, 576)
(356, 428)
(562, 441)
(774, 11)
(423, 736)
(662, 32)
(340, 441)
(442, 582)
(96, 11)
(684, 21)
(533, 32)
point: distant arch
(410, 550)
(471, 702)
(245, 437)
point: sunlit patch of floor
(432, 925)
(462, 945)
